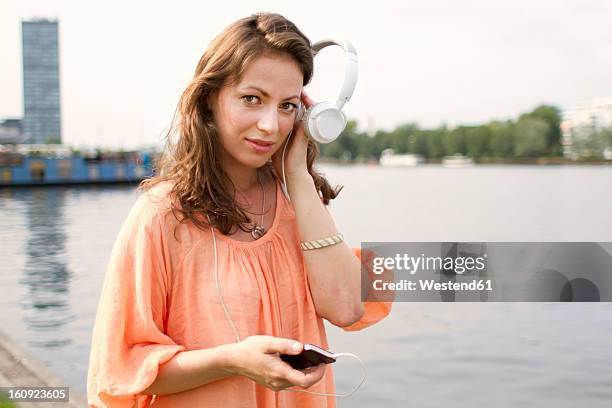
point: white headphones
(324, 121)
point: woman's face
(255, 115)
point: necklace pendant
(258, 232)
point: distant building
(581, 127)
(11, 131)
(41, 86)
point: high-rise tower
(41, 89)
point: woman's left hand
(295, 156)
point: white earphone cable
(284, 184)
(347, 394)
(212, 231)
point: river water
(55, 244)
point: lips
(260, 146)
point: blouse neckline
(269, 234)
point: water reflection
(45, 275)
(543, 352)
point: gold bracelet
(322, 243)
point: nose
(268, 121)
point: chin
(256, 162)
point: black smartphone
(309, 357)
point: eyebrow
(264, 93)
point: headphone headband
(350, 70)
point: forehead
(275, 74)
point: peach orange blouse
(159, 298)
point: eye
(288, 107)
(250, 99)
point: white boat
(388, 158)
(457, 160)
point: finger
(309, 370)
(317, 370)
(307, 377)
(285, 346)
(298, 132)
(298, 378)
(298, 127)
(308, 102)
(315, 375)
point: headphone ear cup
(324, 122)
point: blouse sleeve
(129, 342)
(377, 305)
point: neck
(243, 178)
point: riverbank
(543, 161)
(527, 161)
(20, 369)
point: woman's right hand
(258, 358)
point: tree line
(533, 134)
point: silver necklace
(259, 231)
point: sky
(124, 64)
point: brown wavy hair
(193, 162)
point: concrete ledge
(19, 368)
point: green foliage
(501, 142)
(552, 116)
(436, 145)
(530, 136)
(455, 141)
(477, 140)
(604, 138)
(536, 133)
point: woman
(207, 284)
